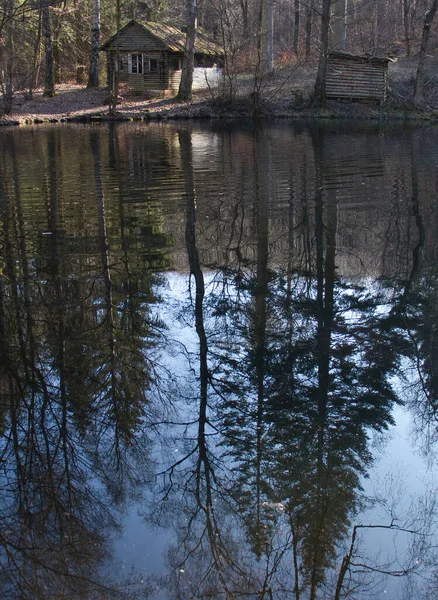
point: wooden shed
(356, 77)
(151, 56)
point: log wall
(135, 40)
(174, 76)
(139, 82)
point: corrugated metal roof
(369, 58)
(174, 38)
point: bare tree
(320, 83)
(339, 27)
(406, 25)
(36, 62)
(266, 31)
(93, 76)
(296, 26)
(245, 20)
(114, 94)
(49, 83)
(419, 81)
(7, 56)
(309, 22)
(230, 35)
(186, 83)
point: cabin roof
(362, 58)
(172, 37)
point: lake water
(218, 361)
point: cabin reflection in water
(212, 327)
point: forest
(47, 42)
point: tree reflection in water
(296, 365)
(75, 375)
(295, 372)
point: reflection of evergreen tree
(311, 383)
(319, 433)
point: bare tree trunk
(56, 60)
(114, 94)
(186, 83)
(375, 17)
(56, 27)
(36, 58)
(309, 20)
(93, 76)
(8, 52)
(296, 27)
(406, 28)
(419, 81)
(8, 96)
(245, 21)
(49, 84)
(339, 27)
(225, 30)
(267, 36)
(320, 83)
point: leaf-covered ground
(286, 94)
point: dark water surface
(218, 362)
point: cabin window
(153, 65)
(136, 63)
(177, 64)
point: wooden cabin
(354, 77)
(151, 56)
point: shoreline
(208, 111)
(76, 104)
(229, 115)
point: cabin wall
(165, 78)
(140, 82)
(174, 79)
(175, 74)
(135, 40)
(355, 79)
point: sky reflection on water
(207, 332)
